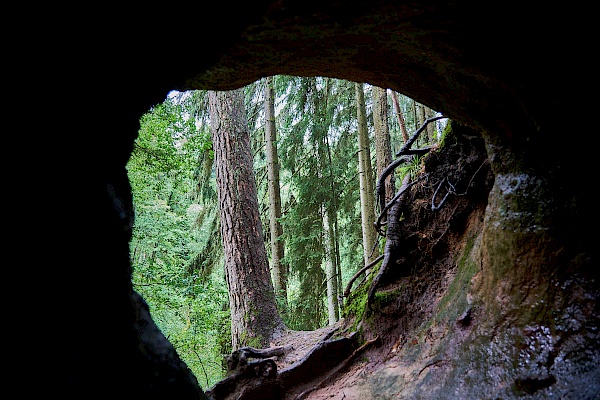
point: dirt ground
(301, 342)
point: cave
(514, 73)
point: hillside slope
(431, 330)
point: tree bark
(421, 110)
(365, 171)
(383, 147)
(413, 106)
(400, 116)
(278, 270)
(254, 315)
(431, 128)
(330, 270)
(330, 216)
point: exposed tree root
(390, 212)
(246, 378)
(237, 362)
(359, 273)
(324, 357)
(249, 380)
(391, 237)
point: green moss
(255, 342)
(356, 304)
(446, 133)
(382, 299)
(251, 341)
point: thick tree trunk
(367, 193)
(279, 270)
(254, 316)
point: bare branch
(359, 273)
(450, 190)
(415, 135)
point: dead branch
(415, 135)
(432, 364)
(450, 190)
(359, 273)
(473, 177)
(374, 246)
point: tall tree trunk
(383, 146)
(330, 225)
(279, 270)
(330, 268)
(416, 124)
(365, 171)
(431, 131)
(400, 117)
(422, 115)
(254, 316)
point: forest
(310, 199)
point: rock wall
(475, 305)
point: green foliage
(411, 168)
(192, 320)
(176, 248)
(308, 310)
(317, 150)
(170, 233)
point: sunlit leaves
(168, 235)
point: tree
(431, 128)
(171, 243)
(316, 125)
(279, 269)
(422, 113)
(383, 147)
(400, 116)
(331, 238)
(367, 194)
(331, 269)
(254, 315)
